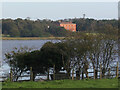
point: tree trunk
(34, 75)
(103, 72)
(68, 73)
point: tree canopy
(46, 28)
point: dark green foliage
(16, 60)
(51, 55)
(10, 28)
(46, 28)
(92, 25)
(33, 59)
(29, 28)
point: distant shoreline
(32, 38)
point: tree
(9, 28)
(108, 52)
(51, 56)
(33, 59)
(67, 54)
(89, 49)
(15, 60)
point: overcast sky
(60, 10)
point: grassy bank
(104, 83)
(32, 38)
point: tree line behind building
(48, 28)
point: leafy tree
(15, 60)
(33, 59)
(51, 56)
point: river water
(9, 45)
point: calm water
(8, 45)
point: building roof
(67, 23)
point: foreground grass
(104, 83)
(31, 38)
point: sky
(59, 0)
(60, 10)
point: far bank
(32, 38)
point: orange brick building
(69, 26)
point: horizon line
(34, 19)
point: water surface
(9, 45)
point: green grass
(104, 83)
(32, 38)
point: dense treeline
(44, 28)
(95, 26)
(29, 28)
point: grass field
(104, 83)
(32, 38)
